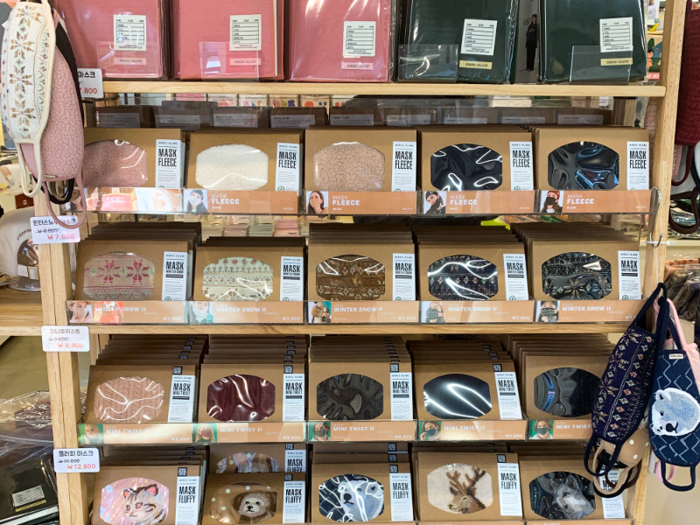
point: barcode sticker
(294, 502)
(479, 37)
(293, 401)
(359, 39)
(516, 277)
(509, 489)
(613, 508)
(181, 399)
(616, 35)
(403, 169)
(401, 497)
(245, 33)
(129, 32)
(187, 502)
(508, 398)
(175, 272)
(404, 277)
(169, 164)
(401, 396)
(637, 165)
(295, 460)
(521, 166)
(292, 279)
(630, 284)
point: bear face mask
(566, 392)
(237, 279)
(351, 498)
(576, 276)
(232, 167)
(457, 396)
(460, 489)
(584, 166)
(134, 501)
(350, 277)
(115, 163)
(128, 400)
(463, 278)
(119, 277)
(241, 398)
(466, 167)
(562, 496)
(349, 166)
(243, 503)
(350, 397)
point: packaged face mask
(243, 458)
(20, 257)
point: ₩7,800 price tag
(65, 338)
(90, 81)
(46, 231)
(72, 460)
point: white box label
(352, 120)
(401, 396)
(292, 279)
(295, 460)
(129, 32)
(182, 399)
(187, 503)
(246, 33)
(522, 120)
(236, 120)
(629, 278)
(637, 165)
(359, 39)
(90, 82)
(71, 460)
(616, 35)
(293, 401)
(479, 37)
(175, 276)
(407, 120)
(613, 508)
(189, 122)
(169, 164)
(118, 120)
(288, 167)
(46, 231)
(292, 121)
(28, 496)
(509, 489)
(522, 172)
(404, 277)
(516, 277)
(401, 497)
(403, 171)
(466, 120)
(508, 398)
(65, 338)
(580, 120)
(294, 502)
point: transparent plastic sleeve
(349, 166)
(597, 41)
(483, 33)
(123, 38)
(341, 40)
(240, 117)
(220, 39)
(114, 163)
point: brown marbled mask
(240, 397)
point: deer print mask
(460, 489)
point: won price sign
(90, 83)
(76, 460)
(46, 231)
(65, 338)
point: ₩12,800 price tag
(90, 81)
(65, 338)
(76, 460)
(46, 231)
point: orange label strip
(438, 312)
(272, 432)
(472, 202)
(273, 202)
(598, 311)
(95, 434)
(369, 312)
(371, 203)
(471, 430)
(593, 201)
(150, 200)
(263, 312)
(372, 430)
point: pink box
(340, 40)
(228, 39)
(124, 38)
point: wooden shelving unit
(20, 313)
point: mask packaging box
(558, 488)
(476, 159)
(128, 117)
(467, 486)
(592, 158)
(468, 116)
(244, 458)
(297, 118)
(360, 159)
(246, 161)
(583, 117)
(134, 158)
(143, 494)
(154, 394)
(252, 269)
(193, 228)
(228, 40)
(343, 41)
(409, 116)
(241, 117)
(255, 498)
(361, 492)
(350, 263)
(527, 116)
(133, 271)
(126, 39)
(184, 115)
(353, 116)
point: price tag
(90, 83)
(71, 460)
(65, 338)
(46, 231)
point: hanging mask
(584, 166)
(566, 392)
(350, 397)
(457, 396)
(350, 278)
(462, 278)
(576, 276)
(466, 167)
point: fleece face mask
(584, 166)
(462, 278)
(350, 397)
(576, 276)
(466, 167)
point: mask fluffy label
(509, 489)
(287, 172)
(629, 278)
(175, 276)
(613, 508)
(292, 279)
(401, 396)
(637, 165)
(293, 402)
(245, 33)
(169, 165)
(294, 502)
(403, 171)
(359, 39)
(129, 32)
(295, 460)
(181, 399)
(616, 35)
(516, 277)
(479, 37)
(521, 166)
(404, 277)
(187, 503)
(508, 398)
(401, 497)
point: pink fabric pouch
(340, 40)
(124, 38)
(229, 39)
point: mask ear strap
(678, 488)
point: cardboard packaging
(297, 118)
(241, 117)
(583, 117)
(129, 117)
(244, 458)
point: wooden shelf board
(20, 312)
(570, 328)
(312, 88)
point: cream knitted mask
(237, 279)
(232, 167)
(349, 166)
(119, 277)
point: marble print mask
(350, 277)
(466, 167)
(576, 276)
(237, 279)
(457, 396)
(462, 278)
(243, 503)
(114, 163)
(350, 397)
(566, 392)
(247, 463)
(119, 277)
(562, 496)
(128, 400)
(134, 501)
(232, 167)
(584, 166)
(351, 498)
(240, 397)
(349, 166)
(460, 489)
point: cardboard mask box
(240, 117)
(129, 117)
(244, 458)
(583, 117)
(297, 118)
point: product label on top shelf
(522, 120)
(407, 120)
(404, 277)
(465, 120)
(129, 32)
(175, 276)
(516, 277)
(294, 502)
(401, 396)
(184, 122)
(359, 39)
(295, 460)
(403, 172)
(616, 35)
(246, 33)
(629, 278)
(181, 399)
(359, 119)
(292, 279)
(187, 502)
(169, 165)
(508, 398)
(401, 497)
(479, 37)
(521, 166)
(580, 120)
(118, 120)
(509, 489)
(292, 121)
(293, 401)
(637, 165)
(288, 162)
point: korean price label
(65, 338)
(46, 231)
(90, 81)
(72, 460)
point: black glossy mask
(463, 278)
(466, 167)
(566, 392)
(576, 276)
(457, 396)
(584, 166)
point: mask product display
(566, 392)
(247, 463)
(350, 277)
(237, 279)
(466, 167)
(232, 167)
(128, 400)
(576, 276)
(584, 166)
(562, 496)
(28, 489)
(351, 498)
(349, 167)
(114, 163)
(350, 397)
(457, 396)
(463, 278)
(460, 489)
(240, 398)
(483, 32)
(119, 277)
(243, 503)
(19, 257)
(134, 500)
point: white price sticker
(46, 231)
(72, 460)
(359, 39)
(246, 33)
(613, 508)
(65, 338)
(90, 81)
(129, 32)
(616, 35)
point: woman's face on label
(432, 199)
(315, 199)
(195, 199)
